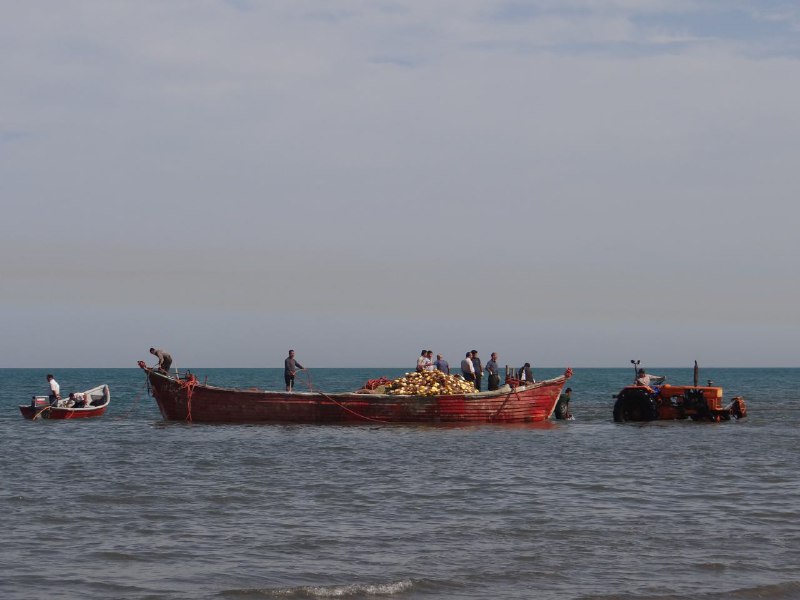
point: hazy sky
(564, 182)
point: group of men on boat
(472, 369)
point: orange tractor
(668, 402)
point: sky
(564, 182)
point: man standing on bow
(290, 367)
(525, 374)
(164, 359)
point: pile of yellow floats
(429, 383)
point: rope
(189, 385)
(135, 404)
(503, 405)
(308, 382)
(310, 385)
(38, 414)
(360, 416)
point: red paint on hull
(61, 413)
(182, 400)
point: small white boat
(91, 403)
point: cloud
(10, 136)
(373, 158)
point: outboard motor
(38, 402)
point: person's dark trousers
(478, 382)
(494, 382)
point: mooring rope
(309, 383)
(135, 403)
(503, 405)
(38, 414)
(360, 416)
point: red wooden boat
(40, 408)
(186, 399)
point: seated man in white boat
(78, 400)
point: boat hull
(188, 400)
(61, 413)
(39, 409)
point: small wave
(322, 591)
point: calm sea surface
(128, 506)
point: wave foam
(354, 590)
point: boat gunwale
(358, 394)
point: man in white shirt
(428, 365)
(421, 361)
(648, 380)
(55, 390)
(468, 368)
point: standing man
(55, 390)
(467, 368)
(491, 369)
(429, 366)
(442, 365)
(421, 361)
(478, 368)
(290, 367)
(164, 359)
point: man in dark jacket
(476, 363)
(525, 374)
(290, 367)
(492, 370)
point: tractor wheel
(635, 405)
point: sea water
(129, 506)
